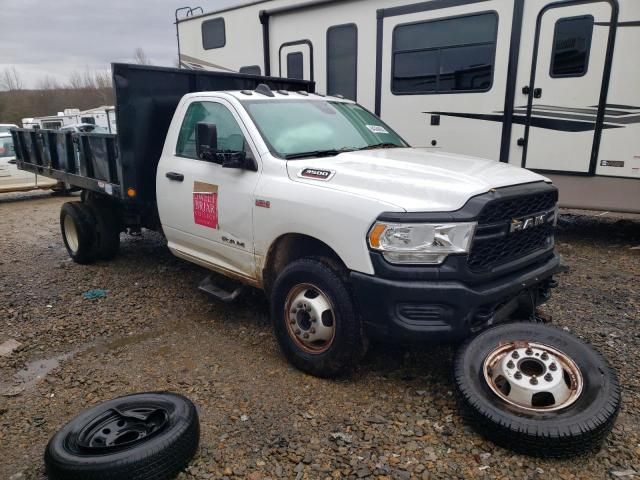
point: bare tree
(10, 79)
(89, 80)
(48, 83)
(140, 57)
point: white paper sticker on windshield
(377, 129)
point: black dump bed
(146, 99)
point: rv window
(445, 56)
(342, 61)
(571, 47)
(251, 70)
(213, 34)
(295, 66)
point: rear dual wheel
(90, 231)
(536, 390)
(78, 231)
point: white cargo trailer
(548, 85)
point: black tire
(348, 344)
(79, 243)
(107, 230)
(578, 428)
(161, 455)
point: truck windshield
(313, 128)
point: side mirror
(206, 141)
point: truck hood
(412, 179)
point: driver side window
(230, 137)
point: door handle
(526, 90)
(176, 177)
(537, 93)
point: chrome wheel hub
(532, 376)
(310, 318)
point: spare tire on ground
(138, 437)
(536, 390)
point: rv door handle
(537, 93)
(177, 177)
(526, 90)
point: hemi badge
(317, 174)
(263, 203)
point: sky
(53, 38)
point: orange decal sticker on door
(205, 204)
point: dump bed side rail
(86, 160)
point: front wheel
(315, 319)
(536, 390)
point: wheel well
(291, 247)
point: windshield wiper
(317, 153)
(380, 145)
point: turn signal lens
(131, 192)
(375, 234)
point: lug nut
(292, 322)
(313, 330)
(306, 335)
(510, 364)
(515, 355)
(528, 351)
(297, 331)
(314, 320)
(533, 381)
(553, 367)
(518, 375)
(548, 377)
(544, 356)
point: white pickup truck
(351, 233)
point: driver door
(207, 210)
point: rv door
(296, 60)
(560, 104)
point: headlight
(421, 243)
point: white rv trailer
(548, 85)
(53, 122)
(103, 116)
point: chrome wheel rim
(533, 377)
(71, 234)
(310, 319)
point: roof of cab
(277, 95)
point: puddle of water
(36, 371)
(33, 373)
(122, 342)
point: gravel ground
(394, 418)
